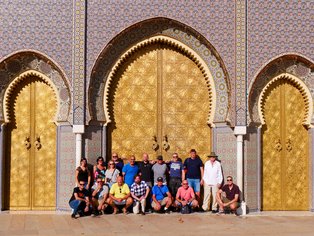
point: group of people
(150, 185)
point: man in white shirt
(212, 180)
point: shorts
(162, 202)
(119, 203)
(195, 184)
(226, 200)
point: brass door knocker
(37, 143)
(165, 144)
(27, 143)
(155, 145)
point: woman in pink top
(185, 196)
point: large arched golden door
(31, 147)
(285, 149)
(159, 96)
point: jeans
(77, 205)
(174, 185)
(195, 184)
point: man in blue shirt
(194, 172)
(161, 196)
(176, 173)
(129, 171)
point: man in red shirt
(185, 196)
(228, 196)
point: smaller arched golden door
(31, 147)
(285, 158)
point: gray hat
(212, 154)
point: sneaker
(167, 211)
(73, 216)
(220, 213)
(214, 211)
(142, 213)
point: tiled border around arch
(32, 62)
(142, 31)
(291, 64)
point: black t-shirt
(82, 174)
(146, 170)
(193, 167)
(230, 194)
(82, 194)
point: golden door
(285, 149)
(159, 97)
(32, 152)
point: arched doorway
(30, 157)
(159, 101)
(285, 141)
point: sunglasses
(185, 183)
(81, 184)
(229, 179)
(114, 156)
(175, 156)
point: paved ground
(56, 223)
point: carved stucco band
(9, 91)
(303, 90)
(181, 47)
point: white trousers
(208, 191)
(136, 206)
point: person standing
(176, 174)
(129, 171)
(117, 161)
(145, 170)
(194, 172)
(99, 169)
(139, 192)
(111, 174)
(82, 173)
(160, 170)
(212, 180)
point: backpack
(186, 209)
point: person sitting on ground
(185, 196)
(120, 195)
(79, 200)
(161, 196)
(228, 196)
(99, 196)
(139, 192)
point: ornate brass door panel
(159, 97)
(32, 156)
(185, 106)
(285, 150)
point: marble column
(240, 131)
(79, 131)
